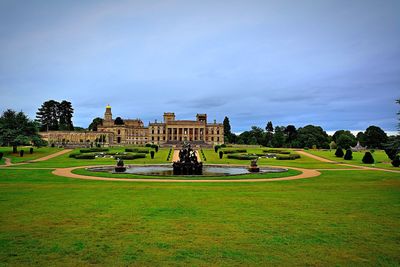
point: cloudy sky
(330, 63)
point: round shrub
(152, 154)
(339, 152)
(348, 155)
(395, 161)
(368, 158)
(221, 154)
(31, 150)
(21, 153)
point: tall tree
(65, 112)
(227, 130)
(313, 135)
(279, 137)
(291, 134)
(344, 139)
(48, 115)
(17, 129)
(269, 133)
(95, 123)
(375, 137)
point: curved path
(7, 161)
(67, 172)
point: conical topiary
(348, 155)
(339, 152)
(368, 158)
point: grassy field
(37, 153)
(341, 218)
(381, 159)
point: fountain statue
(188, 163)
(253, 166)
(120, 166)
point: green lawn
(303, 162)
(381, 159)
(65, 161)
(341, 218)
(37, 153)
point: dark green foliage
(216, 148)
(155, 148)
(85, 156)
(223, 146)
(65, 112)
(118, 121)
(148, 145)
(95, 123)
(73, 155)
(132, 156)
(368, 158)
(221, 154)
(53, 115)
(152, 154)
(227, 130)
(287, 157)
(203, 155)
(277, 151)
(16, 129)
(138, 150)
(348, 155)
(93, 149)
(312, 135)
(1, 155)
(120, 163)
(395, 161)
(344, 139)
(339, 152)
(241, 156)
(234, 151)
(52, 145)
(375, 137)
(279, 138)
(291, 134)
(169, 154)
(31, 150)
(21, 153)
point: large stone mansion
(169, 132)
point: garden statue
(188, 163)
(120, 166)
(253, 166)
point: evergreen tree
(339, 152)
(348, 155)
(279, 137)
(269, 135)
(17, 129)
(375, 137)
(291, 134)
(368, 158)
(227, 130)
(65, 112)
(48, 116)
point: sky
(335, 64)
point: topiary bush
(223, 145)
(1, 155)
(73, 155)
(148, 145)
(216, 148)
(93, 149)
(234, 151)
(348, 155)
(31, 150)
(241, 156)
(368, 158)
(21, 153)
(221, 154)
(395, 161)
(152, 154)
(339, 152)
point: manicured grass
(303, 162)
(380, 157)
(290, 172)
(342, 218)
(66, 161)
(37, 153)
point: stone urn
(120, 166)
(253, 166)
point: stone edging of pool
(305, 173)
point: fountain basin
(167, 170)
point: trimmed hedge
(241, 156)
(339, 152)
(234, 151)
(348, 155)
(73, 155)
(287, 157)
(131, 156)
(85, 156)
(368, 158)
(276, 151)
(138, 150)
(93, 149)
(395, 161)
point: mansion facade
(169, 132)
